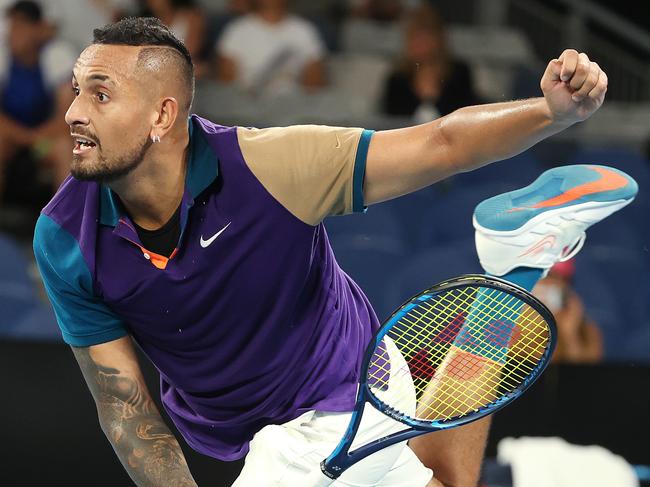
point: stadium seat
(371, 263)
(506, 175)
(412, 208)
(494, 54)
(14, 278)
(450, 218)
(23, 315)
(37, 324)
(637, 341)
(618, 231)
(604, 279)
(379, 225)
(358, 80)
(372, 37)
(429, 267)
(497, 44)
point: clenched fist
(574, 87)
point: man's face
(423, 45)
(271, 4)
(24, 35)
(112, 114)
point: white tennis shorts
(289, 455)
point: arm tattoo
(146, 447)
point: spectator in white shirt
(271, 51)
(76, 19)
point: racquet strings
(456, 352)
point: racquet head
(458, 351)
(452, 354)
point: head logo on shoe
(609, 181)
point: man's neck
(154, 190)
(272, 15)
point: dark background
(50, 434)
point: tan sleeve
(312, 170)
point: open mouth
(82, 145)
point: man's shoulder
(209, 127)
(74, 204)
(70, 189)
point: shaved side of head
(171, 70)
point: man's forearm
(481, 134)
(147, 449)
(466, 139)
(132, 423)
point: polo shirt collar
(202, 170)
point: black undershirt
(163, 240)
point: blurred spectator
(579, 338)
(234, 7)
(187, 20)
(271, 51)
(380, 10)
(427, 83)
(76, 19)
(35, 92)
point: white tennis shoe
(545, 222)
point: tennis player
(203, 245)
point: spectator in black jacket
(428, 82)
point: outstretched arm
(404, 160)
(146, 447)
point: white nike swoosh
(206, 243)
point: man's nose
(76, 113)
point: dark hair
(148, 31)
(30, 10)
(141, 31)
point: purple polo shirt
(251, 321)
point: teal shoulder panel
(84, 318)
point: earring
(155, 138)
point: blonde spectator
(428, 82)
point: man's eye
(75, 90)
(102, 97)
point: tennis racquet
(452, 354)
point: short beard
(104, 172)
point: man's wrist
(557, 120)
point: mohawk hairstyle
(150, 32)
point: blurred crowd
(299, 61)
(262, 48)
(265, 53)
